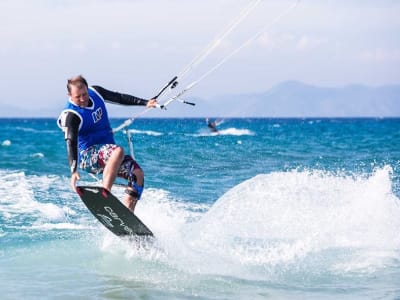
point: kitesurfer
(90, 140)
(212, 125)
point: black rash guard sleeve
(119, 98)
(71, 128)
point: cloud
(272, 41)
(306, 43)
(380, 55)
(115, 45)
(79, 46)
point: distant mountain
(14, 111)
(287, 99)
(296, 99)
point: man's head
(78, 90)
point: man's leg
(135, 175)
(130, 198)
(112, 166)
(130, 202)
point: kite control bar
(172, 84)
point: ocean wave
(34, 130)
(37, 155)
(19, 203)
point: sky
(137, 46)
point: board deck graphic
(111, 212)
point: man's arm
(70, 125)
(119, 98)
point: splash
(275, 225)
(236, 131)
(166, 216)
(287, 218)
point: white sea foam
(51, 226)
(6, 143)
(146, 132)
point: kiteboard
(111, 212)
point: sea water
(264, 209)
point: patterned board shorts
(94, 159)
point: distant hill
(296, 99)
(14, 111)
(287, 99)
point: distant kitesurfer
(212, 125)
(90, 140)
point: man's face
(79, 95)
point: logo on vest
(96, 115)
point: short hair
(76, 80)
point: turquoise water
(267, 209)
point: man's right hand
(74, 178)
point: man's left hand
(152, 103)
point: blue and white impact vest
(95, 127)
